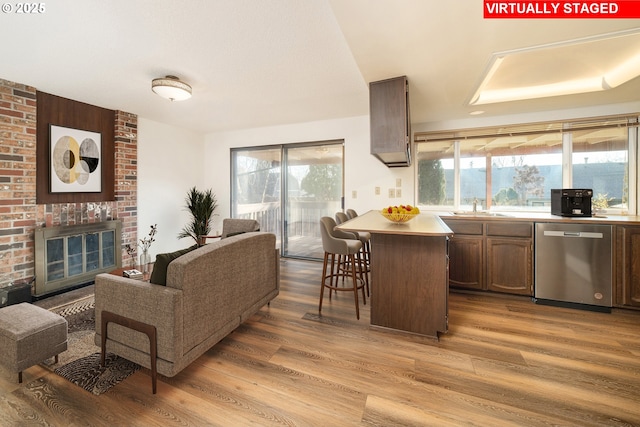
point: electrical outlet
(354, 194)
(377, 191)
(398, 192)
(392, 193)
(398, 182)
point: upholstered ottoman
(29, 335)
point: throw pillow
(159, 273)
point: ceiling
(264, 63)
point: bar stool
(336, 242)
(363, 236)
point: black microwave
(571, 202)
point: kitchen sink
(479, 214)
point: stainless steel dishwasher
(573, 265)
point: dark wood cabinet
(390, 121)
(466, 254)
(403, 297)
(492, 255)
(497, 255)
(510, 265)
(510, 257)
(627, 283)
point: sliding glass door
(288, 188)
(314, 188)
(256, 186)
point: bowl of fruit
(401, 213)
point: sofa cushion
(159, 273)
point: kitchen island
(409, 272)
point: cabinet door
(466, 262)
(510, 265)
(389, 120)
(628, 269)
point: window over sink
(514, 168)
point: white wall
(363, 172)
(171, 160)
(169, 163)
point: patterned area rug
(87, 373)
(80, 364)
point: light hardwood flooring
(505, 362)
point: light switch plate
(398, 182)
(392, 193)
(354, 194)
(377, 191)
(398, 192)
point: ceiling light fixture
(579, 66)
(568, 87)
(172, 88)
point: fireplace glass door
(69, 256)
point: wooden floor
(505, 361)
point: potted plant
(201, 205)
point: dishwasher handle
(583, 234)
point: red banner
(622, 9)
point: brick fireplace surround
(19, 213)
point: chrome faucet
(475, 205)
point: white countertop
(541, 217)
(424, 224)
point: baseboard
(578, 306)
(61, 291)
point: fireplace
(72, 255)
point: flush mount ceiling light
(579, 66)
(172, 88)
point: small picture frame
(75, 162)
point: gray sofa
(209, 292)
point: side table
(120, 272)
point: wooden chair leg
(146, 329)
(362, 271)
(323, 280)
(344, 266)
(335, 270)
(355, 285)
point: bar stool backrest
(341, 217)
(334, 241)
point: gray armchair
(233, 226)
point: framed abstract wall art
(75, 163)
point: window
(435, 174)
(287, 189)
(600, 161)
(515, 167)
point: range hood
(390, 121)
(396, 159)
